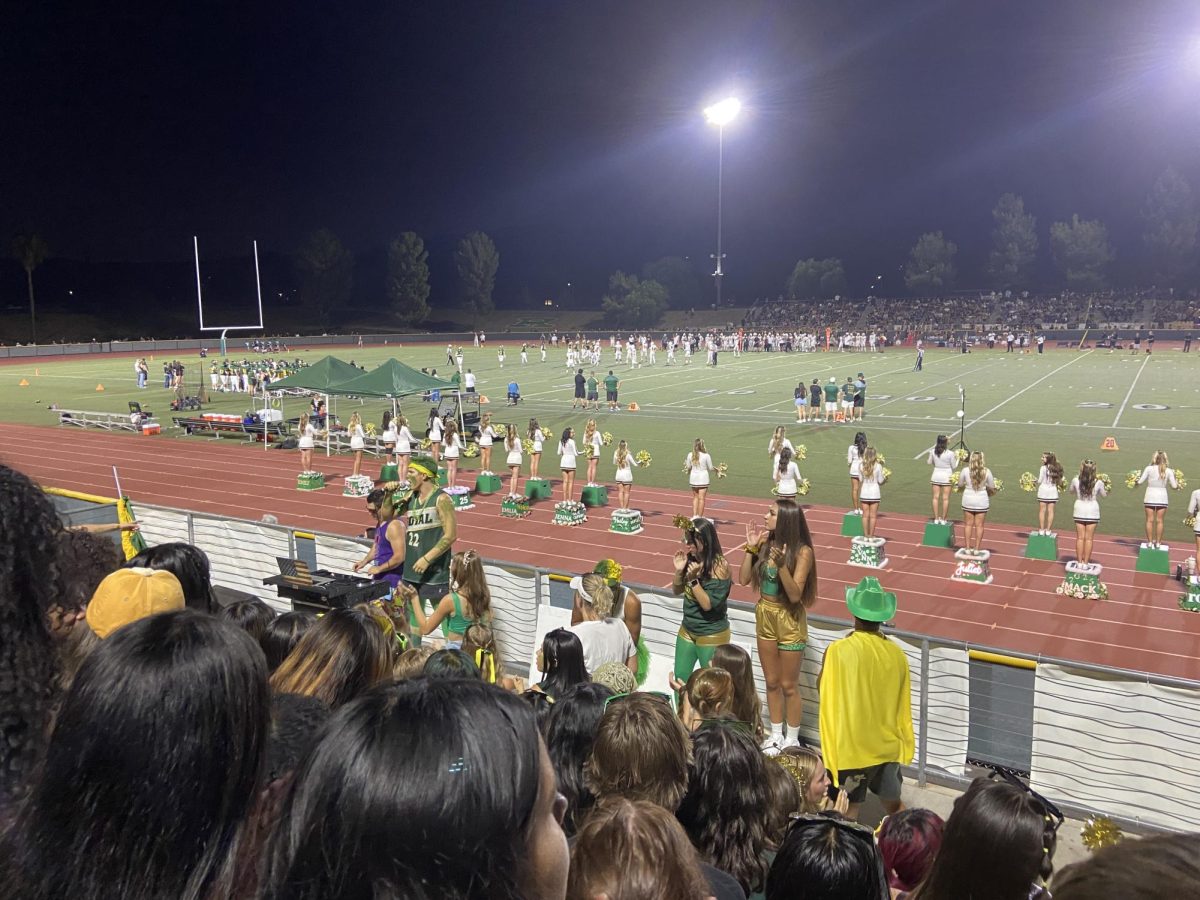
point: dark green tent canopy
(320, 377)
(391, 379)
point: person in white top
(487, 434)
(307, 441)
(1158, 476)
(786, 475)
(1194, 511)
(942, 459)
(624, 461)
(404, 442)
(779, 440)
(977, 486)
(512, 443)
(605, 638)
(535, 454)
(568, 451)
(697, 465)
(1049, 477)
(592, 442)
(854, 462)
(388, 435)
(871, 473)
(433, 431)
(454, 448)
(1088, 489)
(358, 441)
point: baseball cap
(127, 595)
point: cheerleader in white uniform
(592, 442)
(433, 431)
(977, 486)
(308, 439)
(1158, 476)
(624, 462)
(388, 434)
(942, 460)
(787, 475)
(404, 442)
(872, 479)
(358, 441)
(854, 454)
(535, 455)
(487, 434)
(1049, 477)
(512, 443)
(1088, 489)
(778, 442)
(569, 452)
(454, 448)
(1194, 511)
(698, 464)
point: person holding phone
(703, 578)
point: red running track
(1140, 627)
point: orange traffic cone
(1110, 443)
(99, 387)
(23, 383)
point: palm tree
(30, 250)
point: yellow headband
(423, 468)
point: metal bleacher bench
(217, 429)
(110, 421)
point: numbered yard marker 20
(200, 299)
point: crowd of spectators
(157, 745)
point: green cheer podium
(389, 473)
(538, 489)
(938, 535)
(487, 483)
(1155, 559)
(443, 481)
(1042, 546)
(595, 495)
(1191, 600)
(852, 524)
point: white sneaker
(791, 741)
(771, 745)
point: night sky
(572, 132)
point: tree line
(1080, 249)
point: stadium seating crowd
(158, 745)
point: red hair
(908, 841)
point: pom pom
(961, 456)
(997, 485)
(527, 445)
(1028, 482)
(547, 434)
(956, 481)
(1131, 479)
(1190, 521)
(470, 451)
(722, 470)
(1179, 479)
(801, 452)
(683, 523)
(1105, 479)
(606, 438)
(1100, 831)
(642, 458)
(426, 443)
(803, 487)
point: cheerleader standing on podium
(872, 480)
(942, 461)
(454, 448)
(404, 442)
(358, 441)
(388, 435)
(854, 454)
(624, 462)
(569, 452)
(512, 443)
(433, 431)
(1049, 476)
(487, 435)
(977, 486)
(1157, 477)
(535, 455)
(1088, 489)
(592, 442)
(1194, 511)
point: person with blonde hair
(779, 441)
(1158, 476)
(1048, 479)
(698, 465)
(487, 434)
(308, 440)
(708, 694)
(535, 454)
(404, 442)
(812, 778)
(468, 603)
(873, 477)
(592, 442)
(624, 460)
(512, 445)
(977, 486)
(454, 447)
(1088, 489)
(605, 638)
(341, 657)
(358, 440)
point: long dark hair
(562, 661)
(342, 655)
(940, 447)
(830, 860)
(785, 459)
(746, 703)
(1053, 467)
(1018, 832)
(29, 586)
(153, 766)
(860, 441)
(791, 532)
(570, 734)
(282, 634)
(186, 562)
(726, 805)
(251, 615)
(447, 769)
(706, 546)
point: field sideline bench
(217, 429)
(110, 421)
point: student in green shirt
(593, 392)
(831, 396)
(611, 384)
(703, 578)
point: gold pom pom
(1100, 831)
(1028, 482)
(683, 523)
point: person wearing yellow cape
(631, 612)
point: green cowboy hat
(868, 601)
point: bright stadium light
(723, 112)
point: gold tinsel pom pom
(683, 523)
(1100, 831)
(1028, 482)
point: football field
(1016, 406)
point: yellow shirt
(865, 709)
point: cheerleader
(535, 455)
(500, 356)
(1049, 477)
(1088, 489)
(703, 578)
(778, 442)
(697, 465)
(433, 431)
(487, 434)
(872, 479)
(854, 454)
(1194, 511)
(592, 442)
(308, 436)
(387, 433)
(942, 461)
(454, 447)
(1158, 476)
(512, 443)
(404, 442)
(787, 475)
(358, 441)
(568, 451)
(624, 462)
(977, 486)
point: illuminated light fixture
(723, 112)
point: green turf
(1017, 406)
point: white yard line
(1030, 387)
(1125, 402)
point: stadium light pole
(721, 114)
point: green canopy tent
(317, 379)
(393, 380)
